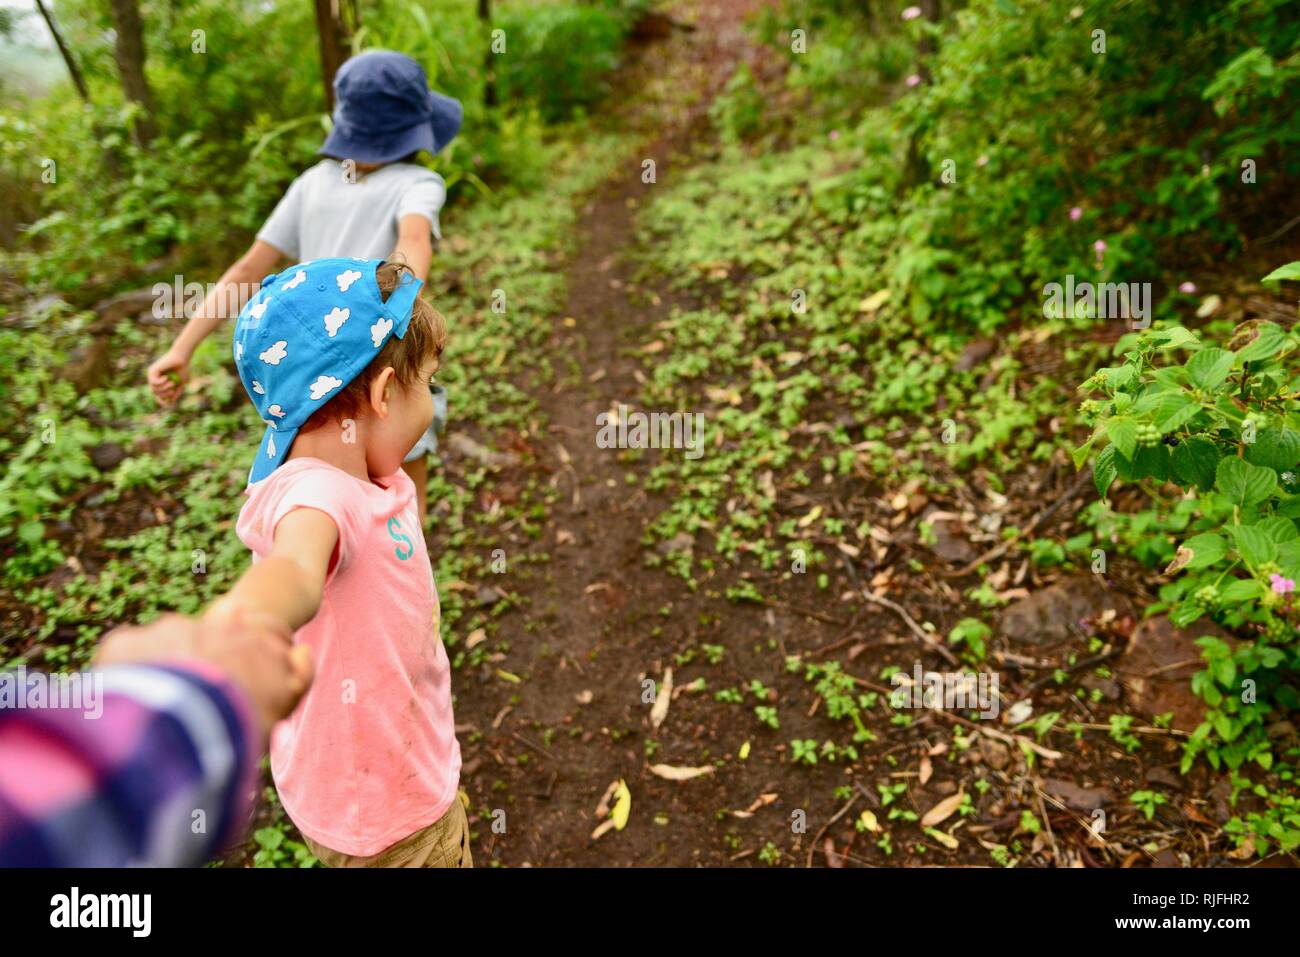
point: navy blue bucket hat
(385, 110)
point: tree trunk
(128, 50)
(336, 21)
(73, 70)
(489, 75)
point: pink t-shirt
(370, 755)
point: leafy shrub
(1222, 426)
(557, 57)
(979, 170)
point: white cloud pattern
(276, 411)
(275, 352)
(324, 385)
(335, 318)
(257, 310)
(346, 278)
(298, 277)
(257, 387)
(380, 329)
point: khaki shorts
(444, 843)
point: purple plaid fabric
(157, 770)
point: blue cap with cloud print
(307, 333)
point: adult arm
(157, 762)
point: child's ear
(379, 394)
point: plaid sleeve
(141, 765)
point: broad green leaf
(1174, 337)
(1254, 544)
(1125, 468)
(1195, 460)
(1153, 461)
(1208, 369)
(1184, 613)
(1275, 449)
(1080, 455)
(1279, 528)
(1288, 556)
(1206, 549)
(1104, 471)
(1123, 433)
(1242, 483)
(1268, 342)
(1243, 589)
(1175, 411)
(1289, 271)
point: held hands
(255, 652)
(168, 375)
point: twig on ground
(844, 810)
(999, 550)
(811, 614)
(926, 638)
(1077, 666)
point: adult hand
(256, 653)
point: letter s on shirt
(396, 534)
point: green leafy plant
(1219, 425)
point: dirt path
(608, 622)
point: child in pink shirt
(336, 355)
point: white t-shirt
(323, 215)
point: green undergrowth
(183, 472)
(865, 272)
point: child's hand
(167, 376)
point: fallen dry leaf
(618, 815)
(947, 840)
(832, 859)
(762, 801)
(659, 710)
(670, 773)
(874, 301)
(943, 810)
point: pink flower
(914, 80)
(1187, 287)
(1099, 246)
(835, 134)
(1076, 213)
(911, 13)
(1281, 585)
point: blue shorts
(428, 443)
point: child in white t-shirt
(365, 199)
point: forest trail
(615, 622)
